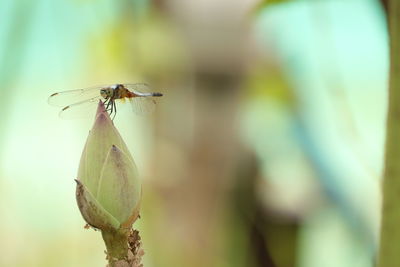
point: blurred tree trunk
(213, 212)
(272, 239)
(215, 33)
(389, 255)
(385, 4)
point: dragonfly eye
(103, 93)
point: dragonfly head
(106, 92)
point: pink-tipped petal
(100, 108)
(101, 137)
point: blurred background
(265, 150)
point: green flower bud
(108, 188)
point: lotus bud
(108, 188)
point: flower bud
(108, 188)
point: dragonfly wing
(62, 99)
(138, 87)
(80, 109)
(143, 105)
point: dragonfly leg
(115, 110)
(111, 107)
(108, 102)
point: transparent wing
(138, 87)
(62, 99)
(143, 105)
(80, 109)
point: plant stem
(124, 247)
(389, 255)
(116, 244)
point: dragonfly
(77, 102)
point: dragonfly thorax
(117, 91)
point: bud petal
(92, 211)
(119, 189)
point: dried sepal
(93, 213)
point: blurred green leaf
(265, 3)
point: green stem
(389, 252)
(116, 244)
